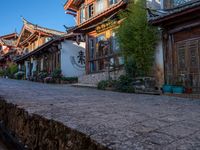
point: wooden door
(188, 61)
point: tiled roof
(42, 47)
(8, 42)
(39, 28)
(7, 36)
(180, 9)
(9, 39)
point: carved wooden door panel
(188, 61)
(193, 58)
(181, 52)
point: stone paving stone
(189, 143)
(118, 120)
(178, 131)
(157, 138)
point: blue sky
(46, 13)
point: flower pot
(188, 90)
(167, 88)
(178, 89)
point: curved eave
(175, 17)
(72, 5)
(42, 47)
(9, 36)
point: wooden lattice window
(193, 49)
(181, 49)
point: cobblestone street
(117, 120)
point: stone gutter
(39, 133)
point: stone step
(84, 85)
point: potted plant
(188, 88)
(57, 75)
(167, 88)
(178, 88)
(42, 75)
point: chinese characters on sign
(81, 58)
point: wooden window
(115, 44)
(92, 66)
(100, 6)
(181, 49)
(82, 14)
(111, 2)
(99, 40)
(90, 10)
(193, 48)
(92, 48)
(47, 39)
(92, 54)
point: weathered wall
(97, 77)
(39, 133)
(159, 64)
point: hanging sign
(106, 26)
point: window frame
(90, 10)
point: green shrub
(19, 75)
(42, 75)
(2, 73)
(49, 80)
(56, 74)
(137, 38)
(102, 85)
(7, 72)
(13, 69)
(124, 84)
(10, 71)
(70, 79)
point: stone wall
(97, 77)
(39, 133)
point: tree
(137, 39)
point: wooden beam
(178, 29)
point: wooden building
(8, 50)
(96, 21)
(180, 25)
(30, 39)
(46, 50)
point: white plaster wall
(159, 64)
(69, 61)
(27, 68)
